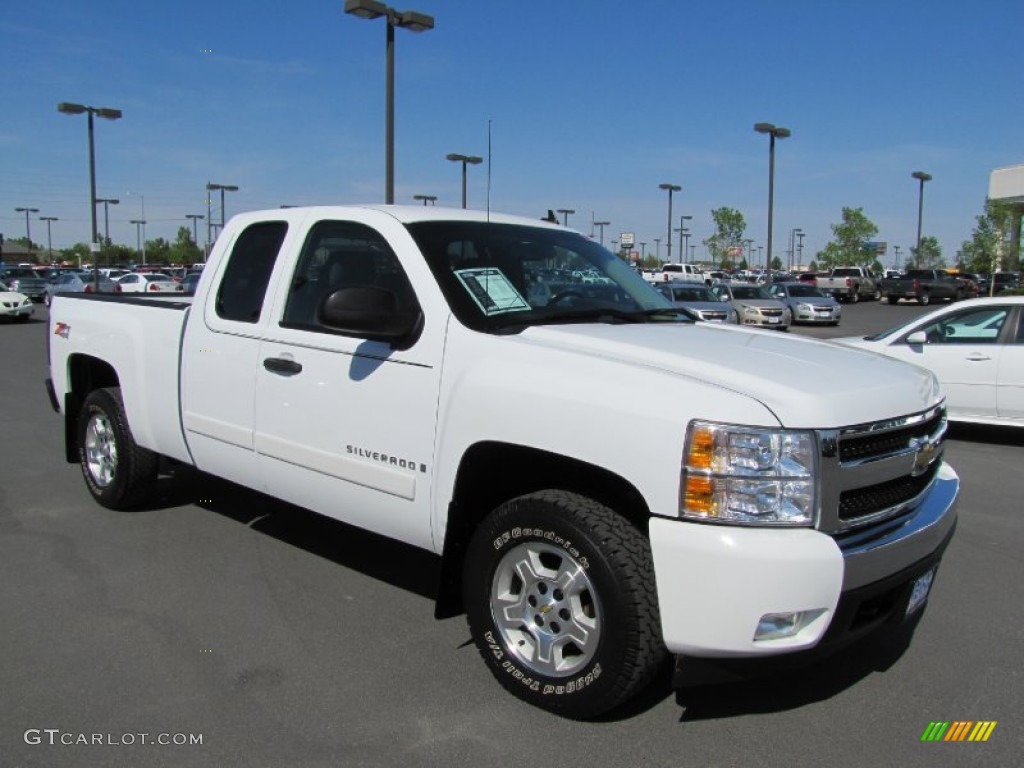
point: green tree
(184, 250)
(982, 252)
(929, 256)
(726, 244)
(158, 251)
(849, 244)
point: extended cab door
(346, 425)
(221, 349)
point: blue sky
(590, 105)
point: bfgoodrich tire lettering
(118, 473)
(561, 602)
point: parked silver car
(754, 305)
(78, 282)
(699, 299)
(807, 304)
(24, 280)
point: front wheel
(892, 299)
(561, 603)
(924, 299)
(118, 473)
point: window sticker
(492, 291)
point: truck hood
(804, 382)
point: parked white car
(14, 305)
(975, 348)
(148, 282)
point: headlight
(748, 475)
(749, 310)
(806, 307)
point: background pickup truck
(850, 284)
(441, 377)
(924, 286)
(680, 272)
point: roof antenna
(488, 171)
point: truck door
(220, 354)
(345, 426)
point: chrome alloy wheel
(100, 450)
(546, 609)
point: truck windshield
(506, 277)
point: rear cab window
(243, 287)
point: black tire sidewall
(599, 685)
(129, 476)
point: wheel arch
(494, 472)
(85, 374)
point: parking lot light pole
(138, 238)
(28, 228)
(671, 188)
(601, 225)
(465, 160)
(49, 241)
(414, 22)
(195, 226)
(223, 188)
(565, 215)
(792, 245)
(70, 108)
(107, 202)
(774, 132)
(431, 199)
(682, 231)
(922, 177)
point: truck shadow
(780, 684)
(703, 689)
(393, 562)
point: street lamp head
(921, 176)
(415, 21)
(110, 114)
(69, 108)
(366, 9)
(27, 210)
(773, 130)
(471, 159)
(670, 187)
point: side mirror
(917, 337)
(370, 313)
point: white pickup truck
(671, 271)
(438, 376)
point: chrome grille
(873, 472)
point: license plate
(919, 591)
(773, 319)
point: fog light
(776, 626)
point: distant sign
(626, 239)
(878, 247)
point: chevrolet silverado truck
(923, 286)
(438, 377)
(850, 284)
(671, 271)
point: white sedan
(974, 347)
(15, 305)
(147, 282)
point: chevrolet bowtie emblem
(925, 454)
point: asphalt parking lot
(283, 639)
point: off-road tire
(604, 628)
(118, 473)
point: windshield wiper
(608, 314)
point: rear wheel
(924, 299)
(118, 473)
(854, 297)
(892, 299)
(561, 602)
